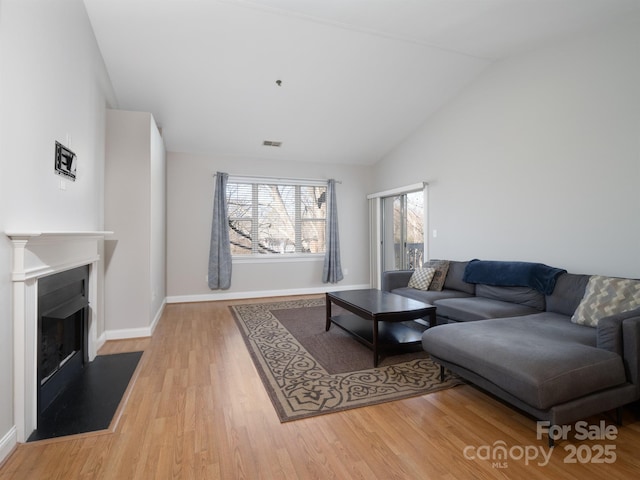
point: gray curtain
(332, 271)
(220, 249)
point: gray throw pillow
(441, 268)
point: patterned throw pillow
(605, 296)
(442, 267)
(421, 278)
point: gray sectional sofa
(521, 344)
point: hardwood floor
(197, 410)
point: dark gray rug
(308, 371)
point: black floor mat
(91, 400)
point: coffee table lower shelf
(391, 335)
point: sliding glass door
(403, 231)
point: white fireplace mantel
(37, 254)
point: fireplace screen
(60, 340)
(63, 313)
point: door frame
(376, 225)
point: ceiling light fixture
(271, 143)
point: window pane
(239, 200)
(276, 219)
(415, 229)
(313, 236)
(240, 237)
(313, 202)
(403, 236)
(398, 232)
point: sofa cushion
(543, 360)
(567, 294)
(479, 308)
(442, 267)
(429, 296)
(454, 281)
(520, 295)
(606, 296)
(421, 278)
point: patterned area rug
(281, 337)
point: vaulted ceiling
(340, 81)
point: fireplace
(63, 304)
(37, 256)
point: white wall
(135, 211)
(53, 84)
(158, 219)
(189, 208)
(538, 160)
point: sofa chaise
(561, 354)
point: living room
(534, 157)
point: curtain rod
(281, 179)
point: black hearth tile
(89, 403)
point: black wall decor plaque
(65, 162)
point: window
(276, 217)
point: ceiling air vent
(271, 143)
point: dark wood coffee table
(375, 317)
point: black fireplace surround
(74, 395)
(63, 304)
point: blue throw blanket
(513, 274)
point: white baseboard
(154, 324)
(99, 342)
(8, 443)
(126, 333)
(212, 297)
